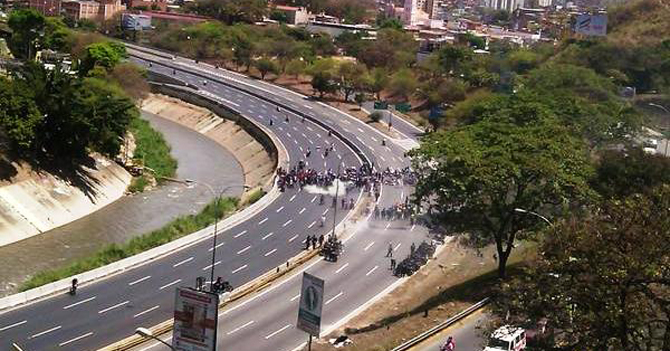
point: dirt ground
(454, 280)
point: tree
(27, 27)
(453, 58)
(602, 280)
(295, 68)
(323, 83)
(353, 77)
(234, 11)
(105, 54)
(403, 84)
(620, 174)
(379, 80)
(131, 78)
(322, 45)
(392, 50)
(19, 115)
(473, 177)
(265, 66)
(392, 23)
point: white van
(507, 338)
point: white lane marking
(295, 297)
(310, 129)
(293, 238)
(311, 225)
(75, 339)
(325, 211)
(287, 223)
(310, 141)
(295, 141)
(278, 331)
(318, 135)
(268, 235)
(139, 280)
(339, 156)
(396, 247)
(238, 269)
(411, 229)
(309, 107)
(402, 194)
(313, 199)
(361, 130)
(263, 221)
(270, 252)
(240, 234)
(341, 268)
(345, 121)
(182, 262)
(387, 226)
(334, 297)
(369, 246)
(217, 246)
(210, 266)
(372, 270)
(280, 209)
(383, 159)
(301, 149)
(77, 303)
(45, 332)
(289, 135)
(280, 128)
(303, 210)
(304, 136)
(169, 284)
(113, 307)
(13, 325)
(146, 311)
(373, 139)
(241, 327)
(292, 198)
(243, 250)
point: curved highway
(111, 309)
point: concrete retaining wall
(250, 145)
(43, 202)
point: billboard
(591, 25)
(311, 303)
(195, 320)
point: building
(509, 5)
(109, 8)
(82, 9)
(294, 15)
(156, 5)
(46, 7)
(413, 13)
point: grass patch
(177, 228)
(152, 149)
(254, 196)
(138, 184)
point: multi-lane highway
(111, 309)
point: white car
(507, 338)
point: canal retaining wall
(40, 201)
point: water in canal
(199, 159)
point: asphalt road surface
(111, 309)
(466, 334)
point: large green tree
(27, 30)
(19, 115)
(602, 281)
(105, 54)
(475, 176)
(234, 11)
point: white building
(509, 5)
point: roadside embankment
(34, 202)
(252, 148)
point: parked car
(507, 338)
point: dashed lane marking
(292, 198)
(217, 246)
(263, 221)
(334, 297)
(238, 269)
(371, 271)
(287, 223)
(397, 246)
(240, 234)
(369, 246)
(278, 331)
(37, 335)
(75, 339)
(268, 235)
(311, 225)
(293, 237)
(139, 280)
(170, 284)
(146, 311)
(303, 210)
(244, 250)
(270, 252)
(295, 297)
(183, 261)
(280, 209)
(241, 327)
(113, 307)
(13, 325)
(76, 303)
(341, 268)
(210, 266)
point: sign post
(195, 320)
(311, 304)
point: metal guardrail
(444, 325)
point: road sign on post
(381, 105)
(311, 303)
(195, 320)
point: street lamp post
(216, 221)
(521, 210)
(146, 333)
(666, 135)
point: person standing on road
(412, 249)
(393, 265)
(389, 253)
